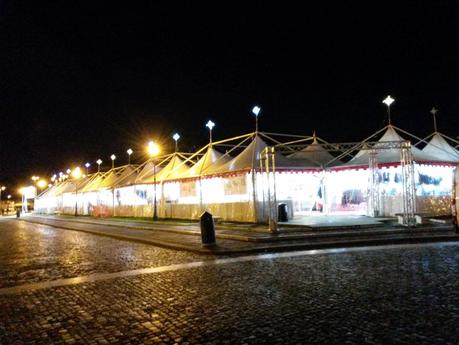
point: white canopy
(250, 157)
(391, 155)
(314, 153)
(211, 158)
(440, 151)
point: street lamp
(99, 162)
(87, 165)
(2, 188)
(434, 112)
(76, 174)
(256, 110)
(210, 125)
(388, 101)
(129, 152)
(153, 151)
(113, 157)
(176, 137)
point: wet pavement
(407, 294)
(33, 253)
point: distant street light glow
(129, 152)
(99, 162)
(113, 157)
(176, 137)
(210, 125)
(388, 101)
(256, 110)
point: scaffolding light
(256, 110)
(210, 124)
(176, 136)
(388, 100)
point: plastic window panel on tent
(347, 191)
(213, 190)
(433, 180)
(302, 188)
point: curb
(216, 250)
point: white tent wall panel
(434, 189)
(301, 191)
(347, 191)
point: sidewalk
(245, 238)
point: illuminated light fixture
(2, 188)
(176, 137)
(35, 178)
(210, 125)
(99, 162)
(87, 165)
(68, 171)
(388, 101)
(9, 196)
(76, 173)
(61, 174)
(41, 184)
(113, 157)
(434, 112)
(129, 152)
(153, 150)
(256, 110)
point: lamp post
(153, 151)
(129, 152)
(99, 162)
(210, 125)
(2, 188)
(176, 137)
(434, 112)
(388, 101)
(256, 110)
(87, 165)
(113, 157)
(76, 175)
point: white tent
(210, 159)
(386, 156)
(440, 151)
(316, 154)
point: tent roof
(172, 170)
(387, 155)
(94, 183)
(128, 176)
(249, 158)
(314, 153)
(440, 151)
(211, 158)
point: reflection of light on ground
(191, 265)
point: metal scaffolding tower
(373, 197)
(409, 190)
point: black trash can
(206, 222)
(282, 212)
(18, 213)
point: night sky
(82, 80)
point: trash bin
(282, 212)
(18, 213)
(206, 222)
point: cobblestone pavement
(380, 295)
(32, 253)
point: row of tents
(229, 177)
